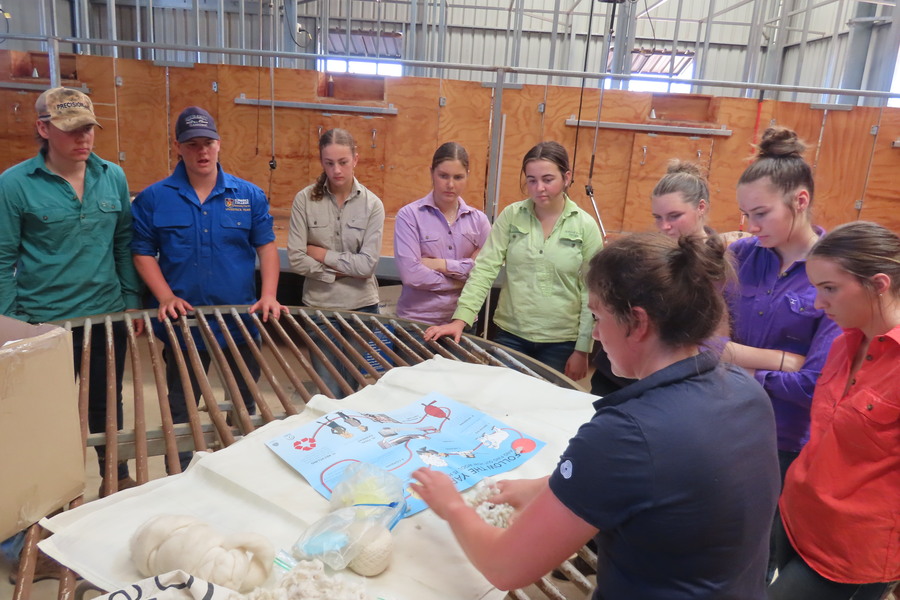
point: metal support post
(754, 49)
(493, 182)
(775, 54)
(857, 50)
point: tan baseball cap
(66, 108)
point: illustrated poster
(436, 432)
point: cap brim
(73, 123)
(195, 133)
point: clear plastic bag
(366, 501)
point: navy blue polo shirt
(679, 472)
(207, 252)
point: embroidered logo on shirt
(237, 204)
(565, 469)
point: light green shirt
(62, 258)
(545, 297)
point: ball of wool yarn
(376, 554)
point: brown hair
(450, 151)
(553, 152)
(677, 282)
(341, 137)
(685, 178)
(779, 157)
(863, 249)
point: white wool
(498, 515)
(178, 542)
(308, 581)
(375, 555)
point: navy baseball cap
(195, 122)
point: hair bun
(679, 166)
(780, 142)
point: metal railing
(366, 345)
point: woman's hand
(577, 365)
(454, 329)
(518, 492)
(438, 491)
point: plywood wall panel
(96, 73)
(466, 119)
(882, 196)
(731, 156)
(521, 132)
(412, 138)
(803, 119)
(842, 164)
(246, 132)
(143, 121)
(649, 160)
(613, 148)
(18, 140)
(192, 87)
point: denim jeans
(319, 366)
(798, 581)
(553, 354)
(97, 385)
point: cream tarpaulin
(246, 487)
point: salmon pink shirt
(841, 498)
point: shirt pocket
(235, 228)
(430, 246)
(569, 258)
(873, 429)
(105, 220)
(175, 232)
(801, 319)
(354, 232)
(51, 230)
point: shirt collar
(94, 163)
(355, 191)
(462, 209)
(569, 207)
(179, 180)
(856, 335)
(689, 367)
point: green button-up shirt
(60, 257)
(545, 297)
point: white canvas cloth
(246, 487)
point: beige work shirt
(351, 235)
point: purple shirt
(776, 312)
(421, 231)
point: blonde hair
(685, 178)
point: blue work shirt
(207, 251)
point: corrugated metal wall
(810, 48)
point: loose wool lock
(166, 543)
